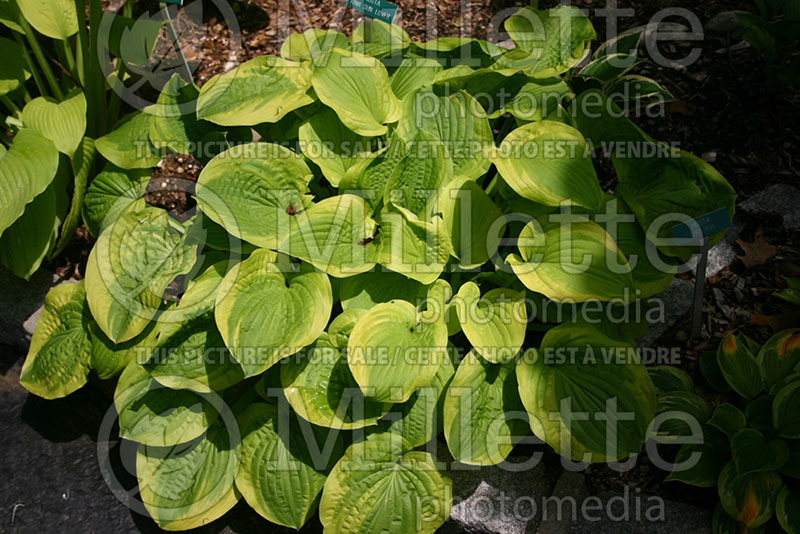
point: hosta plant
(372, 274)
(750, 446)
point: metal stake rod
(699, 285)
(176, 41)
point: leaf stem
(86, 152)
(12, 107)
(40, 57)
(32, 66)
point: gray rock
(632, 512)
(22, 303)
(494, 500)
(557, 512)
(676, 301)
(723, 23)
(723, 253)
(779, 199)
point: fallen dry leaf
(757, 252)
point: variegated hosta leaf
(110, 192)
(284, 464)
(418, 177)
(336, 235)
(312, 44)
(494, 323)
(548, 42)
(483, 415)
(263, 89)
(357, 88)
(749, 499)
(130, 267)
(265, 314)
(363, 291)
(381, 40)
(320, 387)
(458, 121)
(54, 18)
(192, 484)
(739, 365)
(331, 145)
(588, 396)
(779, 356)
(547, 162)
(414, 72)
(474, 223)
(174, 123)
(63, 123)
(576, 260)
(416, 248)
(26, 169)
(58, 358)
(128, 145)
(377, 488)
(155, 415)
(253, 191)
(395, 350)
(109, 359)
(535, 100)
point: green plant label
(377, 9)
(709, 224)
(176, 2)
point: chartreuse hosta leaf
(414, 72)
(58, 358)
(336, 235)
(281, 473)
(494, 323)
(415, 248)
(548, 42)
(174, 124)
(363, 291)
(420, 418)
(577, 372)
(128, 145)
(253, 190)
(54, 18)
(130, 267)
(110, 192)
(357, 88)
(331, 145)
(192, 484)
(26, 170)
(376, 487)
(312, 44)
(576, 260)
(320, 387)
(155, 415)
(265, 314)
(439, 299)
(368, 177)
(682, 184)
(750, 499)
(547, 162)
(535, 100)
(457, 120)
(395, 349)
(381, 41)
(63, 123)
(779, 356)
(263, 89)
(739, 365)
(483, 414)
(109, 359)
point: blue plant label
(377, 9)
(708, 224)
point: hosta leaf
(363, 291)
(494, 323)
(110, 192)
(418, 249)
(699, 464)
(128, 146)
(583, 264)
(395, 350)
(728, 418)
(383, 39)
(691, 407)
(357, 88)
(457, 120)
(265, 314)
(787, 509)
(331, 145)
(9, 15)
(278, 477)
(190, 485)
(752, 452)
(133, 40)
(547, 162)
(609, 67)
(263, 89)
(58, 358)
(155, 415)
(779, 356)
(439, 299)
(535, 100)
(667, 379)
(312, 43)
(252, 190)
(681, 184)
(108, 358)
(786, 411)
(750, 499)
(336, 235)
(739, 366)
(638, 92)
(368, 177)
(320, 387)
(64, 123)
(54, 18)
(377, 488)
(578, 369)
(14, 70)
(129, 268)
(483, 414)
(25, 172)
(414, 72)
(174, 124)
(602, 122)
